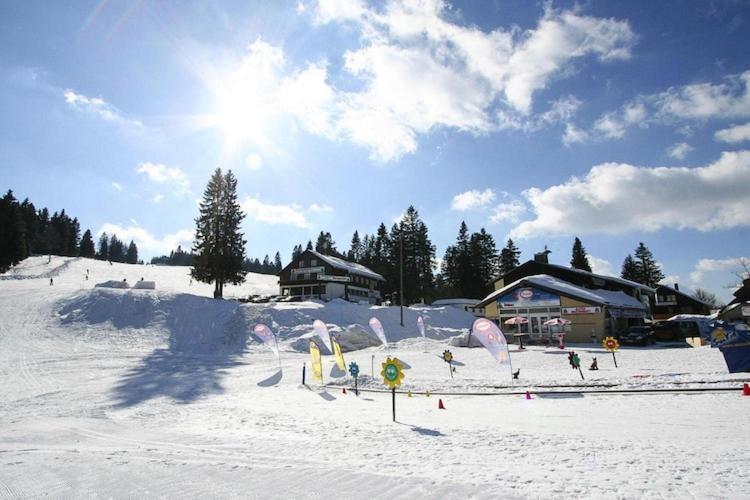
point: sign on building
(581, 310)
(529, 297)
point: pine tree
(296, 252)
(277, 267)
(219, 248)
(649, 272)
(355, 250)
(87, 245)
(326, 245)
(629, 269)
(131, 256)
(116, 249)
(309, 245)
(103, 252)
(509, 258)
(13, 247)
(484, 263)
(579, 259)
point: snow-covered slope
(138, 393)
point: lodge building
(670, 302)
(313, 275)
(597, 306)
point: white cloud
(574, 135)
(713, 265)
(508, 212)
(670, 280)
(680, 150)
(116, 185)
(160, 174)
(157, 197)
(616, 198)
(418, 70)
(270, 213)
(147, 243)
(253, 161)
(97, 106)
(318, 208)
(693, 102)
(733, 135)
(600, 266)
(470, 200)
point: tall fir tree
(309, 245)
(116, 249)
(86, 248)
(509, 258)
(326, 245)
(355, 249)
(103, 252)
(579, 259)
(277, 267)
(296, 252)
(629, 269)
(219, 247)
(131, 256)
(649, 272)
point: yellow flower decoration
(611, 344)
(719, 335)
(392, 372)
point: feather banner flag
(493, 340)
(269, 339)
(377, 327)
(321, 330)
(420, 325)
(317, 368)
(339, 355)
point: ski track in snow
(157, 407)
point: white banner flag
(269, 339)
(493, 340)
(378, 329)
(321, 330)
(420, 325)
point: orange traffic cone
(528, 395)
(343, 389)
(440, 405)
(746, 390)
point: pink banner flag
(378, 329)
(493, 340)
(269, 339)
(420, 325)
(321, 330)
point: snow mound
(193, 325)
(112, 284)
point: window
(313, 262)
(313, 276)
(301, 263)
(307, 276)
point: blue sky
(618, 122)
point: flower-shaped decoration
(611, 344)
(447, 356)
(353, 369)
(392, 372)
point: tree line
(26, 230)
(180, 257)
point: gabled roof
(678, 292)
(550, 283)
(345, 265)
(613, 279)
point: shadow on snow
(206, 337)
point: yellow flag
(317, 368)
(339, 357)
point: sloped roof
(634, 284)
(603, 297)
(679, 292)
(345, 265)
(447, 302)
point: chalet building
(539, 298)
(596, 305)
(313, 275)
(738, 310)
(668, 302)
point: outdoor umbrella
(517, 320)
(558, 322)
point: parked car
(637, 335)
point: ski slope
(153, 394)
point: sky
(617, 122)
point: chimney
(542, 256)
(677, 287)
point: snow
(345, 265)
(165, 393)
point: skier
(51, 282)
